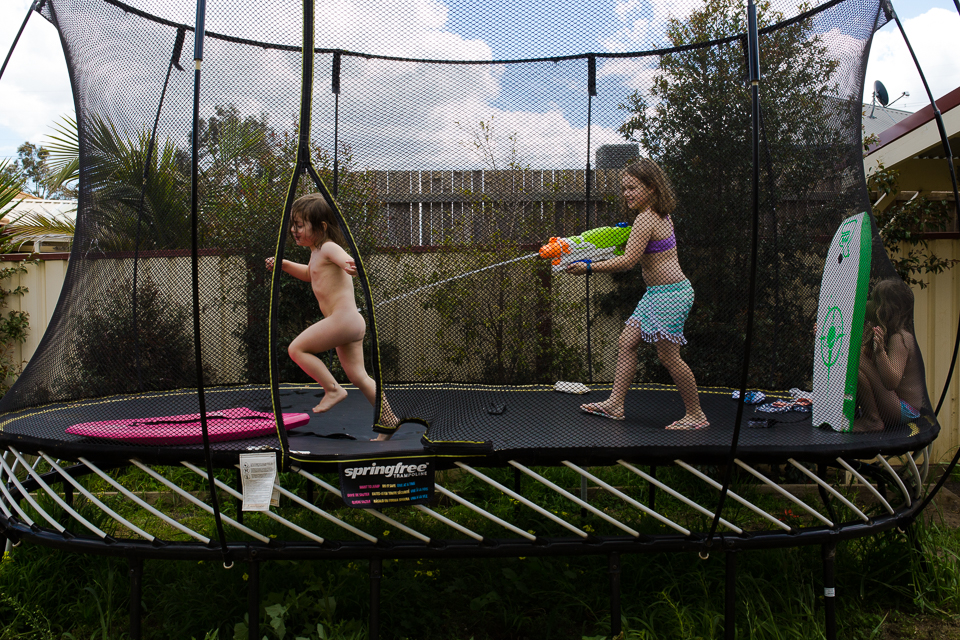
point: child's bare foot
(605, 409)
(389, 420)
(689, 422)
(330, 398)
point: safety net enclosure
(569, 242)
(452, 164)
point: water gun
(594, 245)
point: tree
(32, 165)
(903, 224)
(695, 121)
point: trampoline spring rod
(143, 504)
(92, 498)
(239, 496)
(650, 512)
(866, 483)
(373, 512)
(330, 517)
(786, 494)
(583, 504)
(9, 498)
(16, 463)
(32, 470)
(26, 495)
(896, 477)
(716, 485)
(836, 494)
(916, 474)
(448, 522)
(200, 503)
(3, 500)
(521, 499)
(679, 496)
(486, 514)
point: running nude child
(662, 312)
(314, 225)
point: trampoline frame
(17, 525)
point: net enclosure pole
(195, 268)
(945, 139)
(33, 7)
(753, 68)
(591, 91)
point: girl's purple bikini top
(659, 246)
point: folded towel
(571, 387)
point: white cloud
(35, 88)
(933, 37)
(643, 23)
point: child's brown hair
(313, 208)
(651, 174)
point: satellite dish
(881, 94)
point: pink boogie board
(228, 424)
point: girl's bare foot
(330, 398)
(606, 409)
(389, 420)
(689, 422)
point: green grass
(45, 593)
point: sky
(35, 91)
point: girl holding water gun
(662, 312)
(314, 225)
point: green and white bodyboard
(840, 317)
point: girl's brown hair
(649, 173)
(313, 208)
(894, 306)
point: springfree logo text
(398, 470)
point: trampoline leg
(376, 572)
(829, 553)
(613, 563)
(253, 601)
(136, 593)
(730, 596)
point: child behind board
(890, 379)
(314, 225)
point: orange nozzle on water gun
(555, 248)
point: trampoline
(447, 169)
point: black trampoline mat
(534, 423)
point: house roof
(918, 135)
(883, 118)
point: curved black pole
(23, 26)
(956, 199)
(335, 88)
(753, 63)
(195, 264)
(174, 62)
(591, 91)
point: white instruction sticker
(258, 473)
